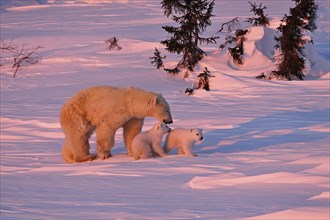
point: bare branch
(6, 46)
(20, 55)
(230, 25)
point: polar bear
(183, 140)
(147, 143)
(105, 109)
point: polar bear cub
(147, 143)
(183, 140)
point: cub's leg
(146, 153)
(180, 151)
(187, 150)
(158, 150)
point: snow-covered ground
(266, 148)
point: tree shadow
(285, 127)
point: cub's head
(161, 128)
(197, 134)
(161, 110)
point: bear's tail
(166, 149)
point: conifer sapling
(204, 79)
(261, 19)
(157, 59)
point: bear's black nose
(202, 138)
(167, 121)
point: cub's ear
(191, 130)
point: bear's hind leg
(130, 129)
(76, 147)
(81, 149)
(77, 132)
(67, 153)
(146, 153)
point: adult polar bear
(105, 109)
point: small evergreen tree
(157, 59)
(203, 82)
(291, 43)
(204, 79)
(193, 16)
(237, 50)
(262, 19)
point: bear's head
(161, 110)
(161, 128)
(197, 134)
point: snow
(266, 148)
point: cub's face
(161, 110)
(197, 134)
(162, 128)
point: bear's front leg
(187, 150)
(180, 151)
(157, 150)
(105, 140)
(130, 129)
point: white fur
(105, 109)
(149, 142)
(184, 140)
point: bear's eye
(197, 134)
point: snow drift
(266, 148)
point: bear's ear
(156, 100)
(191, 130)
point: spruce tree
(261, 19)
(193, 16)
(238, 50)
(307, 11)
(291, 43)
